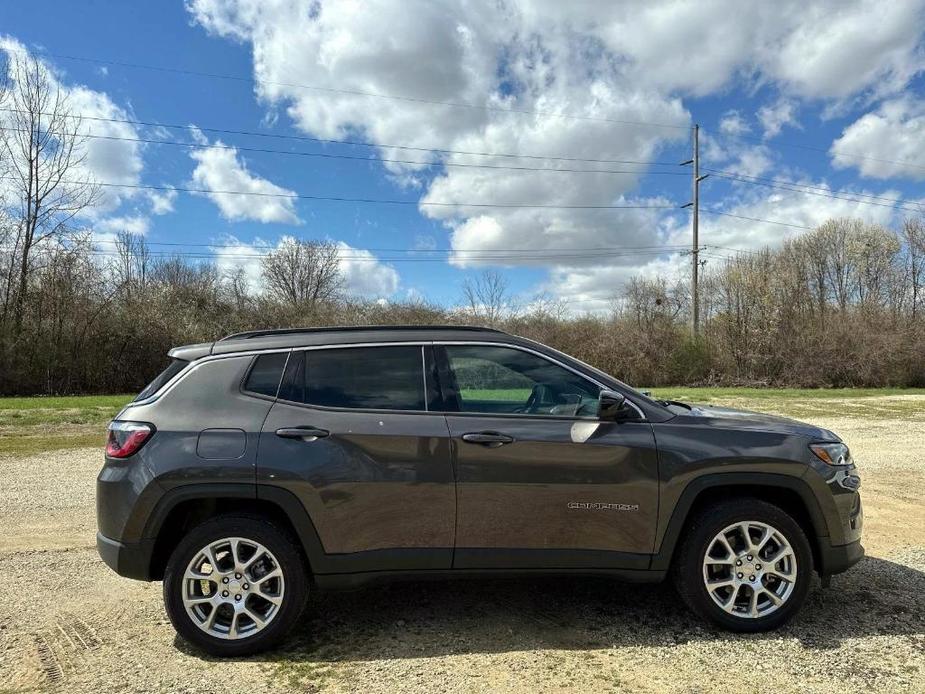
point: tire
(288, 588)
(741, 613)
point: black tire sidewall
(276, 541)
(689, 568)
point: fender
(661, 560)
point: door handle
(304, 433)
(489, 439)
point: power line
(374, 201)
(757, 219)
(326, 155)
(810, 148)
(356, 143)
(822, 195)
(802, 186)
(352, 92)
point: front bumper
(834, 559)
(129, 559)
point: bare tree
(487, 296)
(132, 263)
(43, 149)
(913, 235)
(303, 274)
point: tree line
(842, 305)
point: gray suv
(268, 463)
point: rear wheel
(745, 565)
(235, 585)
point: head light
(831, 453)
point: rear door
(352, 435)
(541, 483)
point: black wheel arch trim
(661, 559)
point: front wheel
(235, 585)
(745, 565)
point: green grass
(711, 394)
(33, 425)
(506, 394)
(809, 403)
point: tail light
(125, 438)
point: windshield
(173, 368)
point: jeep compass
(267, 464)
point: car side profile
(270, 463)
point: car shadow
(453, 617)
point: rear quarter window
(173, 368)
(265, 374)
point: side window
(503, 380)
(381, 378)
(265, 374)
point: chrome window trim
(487, 343)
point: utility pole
(695, 231)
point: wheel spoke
(773, 597)
(720, 583)
(765, 537)
(782, 553)
(783, 575)
(730, 603)
(275, 573)
(259, 621)
(209, 624)
(753, 603)
(743, 528)
(201, 600)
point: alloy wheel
(233, 588)
(750, 569)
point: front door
(351, 436)
(541, 483)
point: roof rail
(248, 334)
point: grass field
(32, 425)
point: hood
(729, 418)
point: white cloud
(886, 143)
(732, 123)
(162, 200)
(117, 161)
(221, 169)
(133, 224)
(366, 275)
(776, 115)
(363, 273)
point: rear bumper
(838, 558)
(132, 559)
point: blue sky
(624, 83)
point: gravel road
(68, 623)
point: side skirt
(351, 581)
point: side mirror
(611, 406)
